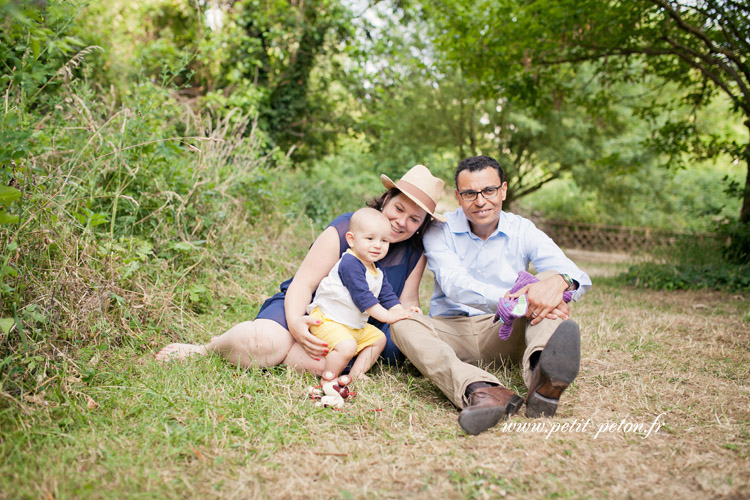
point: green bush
(698, 262)
(690, 263)
(659, 276)
(335, 184)
(111, 203)
(693, 199)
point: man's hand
(545, 299)
(300, 330)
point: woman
(280, 335)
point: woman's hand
(300, 330)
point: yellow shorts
(333, 332)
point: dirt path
(601, 264)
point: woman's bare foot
(174, 352)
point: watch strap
(569, 281)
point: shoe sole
(478, 420)
(560, 362)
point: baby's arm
(391, 309)
(395, 313)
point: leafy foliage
(104, 195)
(698, 46)
(36, 53)
(275, 59)
(422, 108)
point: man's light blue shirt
(472, 274)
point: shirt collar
(458, 223)
(371, 267)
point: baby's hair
(365, 218)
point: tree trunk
(745, 211)
(472, 131)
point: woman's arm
(410, 294)
(319, 261)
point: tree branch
(450, 123)
(651, 51)
(472, 130)
(717, 80)
(682, 24)
(536, 186)
(725, 21)
(606, 52)
(519, 157)
(713, 61)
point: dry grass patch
(646, 354)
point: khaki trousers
(446, 349)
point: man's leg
(550, 361)
(549, 354)
(498, 351)
(442, 349)
(549, 373)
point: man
(476, 257)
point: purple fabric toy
(510, 309)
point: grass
(120, 425)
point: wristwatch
(569, 281)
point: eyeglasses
(487, 193)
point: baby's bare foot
(173, 352)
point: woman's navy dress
(398, 264)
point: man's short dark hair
(476, 163)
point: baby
(355, 289)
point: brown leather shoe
(487, 406)
(557, 367)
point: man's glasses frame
(487, 193)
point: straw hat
(421, 187)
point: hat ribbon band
(413, 190)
